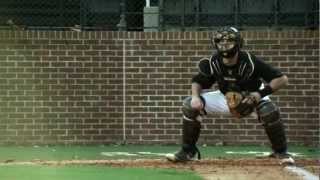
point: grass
(20, 153)
(23, 172)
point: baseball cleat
(284, 158)
(183, 156)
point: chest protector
(228, 79)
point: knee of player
(268, 113)
(188, 111)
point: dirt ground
(247, 173)
(210, 169)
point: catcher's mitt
(239, 104)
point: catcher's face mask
(227, 41)
(225, 44)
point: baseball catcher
(244, 83)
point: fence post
(276, 13)
(183, 15)
(122, 25)
(83, 13)
(236, 13)
(161, 14)
(315, 13)
(197, 14)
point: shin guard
(277, 136)
(190, 136)
(269, 115)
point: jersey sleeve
(204, 81)
(266, 71)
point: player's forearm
(196, 89)
(278, 83)
(273, 86)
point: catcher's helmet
(227, 41)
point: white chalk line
(306, 175)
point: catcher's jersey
(246, 75)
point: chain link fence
(157, 15)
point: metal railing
(157, 15)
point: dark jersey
(247, 75)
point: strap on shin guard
(190, 135)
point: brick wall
(103, 87)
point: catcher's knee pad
(268, 113)
(269, 116)
(188, 112)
